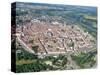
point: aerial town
(54, 37)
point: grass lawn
(21, 62)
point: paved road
(71, 64)
(24, 45)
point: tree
(35, 48)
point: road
(24, 45)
